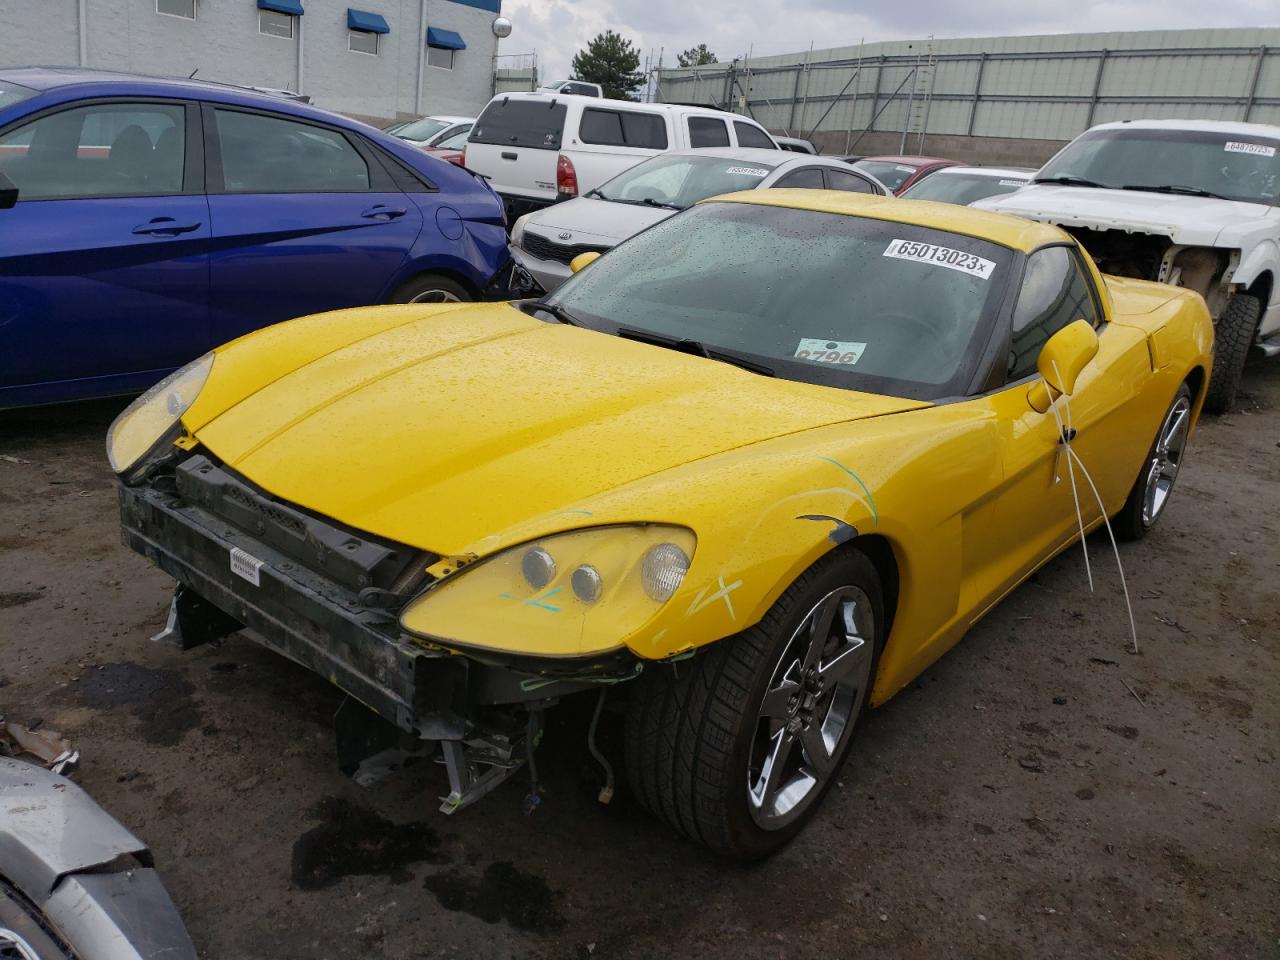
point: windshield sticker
(1013, 183)
(840, 352)
(748, 171)
(969, 263)
(1257, 149)
(904, 169)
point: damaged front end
(1209, 271)
(329, 598)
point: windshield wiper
(1175, 188)
(557, 311)
(1072, 182)
(650, 202)
(595, 192)
(694, 347)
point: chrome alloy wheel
(435, 296)
(1166, 460)
(809, 707)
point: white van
(537, 148)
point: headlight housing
(153, 415)
(571, 594)
(517, 229)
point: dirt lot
(1020, 800)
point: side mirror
(583, 260)
(1061, 359)
(8, 192)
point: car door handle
(510, 156)
(382, 212)
(164, 227)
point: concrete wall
(981, 96)
(224, 43)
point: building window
(177, 8)
(440, 57)
(362, 41)
(275, 24)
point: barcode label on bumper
(246, 565)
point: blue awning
(445, 38)
(368, 22)
(292, 7)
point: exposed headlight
(149, 418)
(566, 595)
(517, 229)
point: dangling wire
(1064, 437)
(1073, 457)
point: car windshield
(892, 175)
(1236, 166)
(963, 188)
(845, 301)
(423, 129)
(681, 181)
(456, 142)
(11, 93)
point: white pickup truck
(1187, 202)
(538, 148)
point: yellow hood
(440, 427)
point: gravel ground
(1039, 792)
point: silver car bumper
(89, 878)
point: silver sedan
(544, 242)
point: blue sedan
(143, 221)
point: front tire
(736, 748)
(1233, 336)
(431, 288)
(1150, 492)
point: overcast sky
(557, 29)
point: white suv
(537, 148)
(1187, 202)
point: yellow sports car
(751, 472)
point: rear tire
(700, 734)
(1151, 491)
(431, 288)
(1233, 336)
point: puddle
(502, 893)
(159, 700)
(353, 842)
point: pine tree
(696, 56)
(612, 62)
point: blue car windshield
(11, 93)
(846, 301)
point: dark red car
(899, 172)
(452, 149)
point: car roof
(755, 154)
(447, 117)
(1214, 126)
(908, 158)
(1021, 173)
(1014, 232)
(633, 104)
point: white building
(378, 60)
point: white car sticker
(905, 169)
(841, 352)
(1258, 149)
(969, 263)
(748, 171)
(246, 565)
(1013, 183)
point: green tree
(696, 56)
(612, 62)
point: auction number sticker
(931, 253)
(1013, 183)
(840, 352)
(246, 565)
(748, 171)
(1257, 149)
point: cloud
(557, 29)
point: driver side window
(1055, 292)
